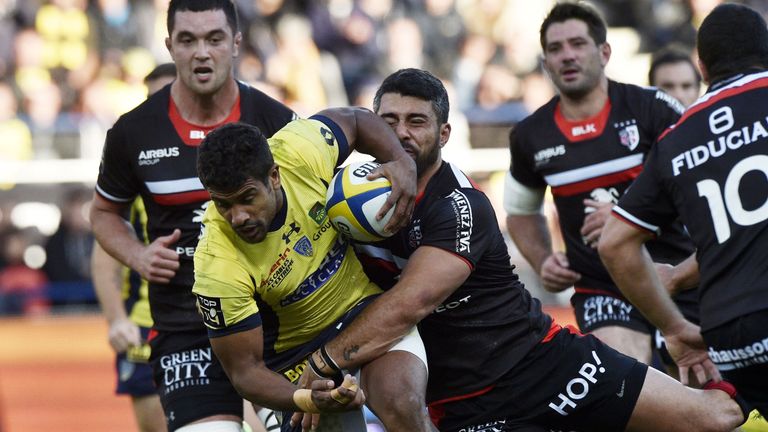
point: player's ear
(237, 40)
(274, 177)
(605, 53)
(445, 133)
(168, 45)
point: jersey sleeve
(224, 290)
(117, 181)
(317, 143)
(522, 166)
(460, 223)
(645, 205)
(664, 112)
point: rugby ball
(353, 201)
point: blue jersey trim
(249, 323)
(338, 133)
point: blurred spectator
(404, 47)
(673, 71)
(474, 54)
(69, 249)
(22, 288)
(17, 139)
(120, 24)
(444, 29)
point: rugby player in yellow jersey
(274, 280)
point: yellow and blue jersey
(303, 276)
(135, 289)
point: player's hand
(594, 221)
(687, 348)
(556, 275)
(402, 174)
(326, 397)
(306, 420)
(123, 334)
(158, 261)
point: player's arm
(367, 133)
(624, 254)
(106, 274)
(155, 262)
(683, 276)
(528, 229)
(241, 355)
(430, 276)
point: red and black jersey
(712, 171)
(597, 158)
(491, 320)
(152, 152)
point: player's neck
(424, 177)
(207, 109)
(586, 106)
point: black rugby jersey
(144, 154)
(489, 323)
(598, 159)
(712, 171)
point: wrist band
(318, 370)
(328, 360)
(303, 399)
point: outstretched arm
(622, 250)
(241, 355)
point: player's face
(679, 80)
(417, 127)
(203, 47)
(574, 62)
(251, 208)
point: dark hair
(228, 6)
(731, 39)
(417, 83)
(160, 71)
(670, 55)
(565, 11)
(231, 154)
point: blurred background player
(673, 71)
(122, 294)
(587, 144)
(151, 152)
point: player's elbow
(608, 245)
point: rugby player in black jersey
(496, 361)
(587, 144)
(151, 152)
(710, 170)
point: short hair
(670, 55)
(228, 6)
(575, 10)
(416, 83)
(732, 39)
(231, 154)
(160, 71)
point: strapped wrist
(303, 399)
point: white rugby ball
(352, 202)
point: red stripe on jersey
(461, 397)
(182, 198)
(555, 328)
(633, 225)
(596, 182)
(758, 83)
(193, 134)
(581, 130)
(369, 261)
(582, 290)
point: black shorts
(134, 374)
(596, 308)
(190, 380)
(739, 349)
(570, 381)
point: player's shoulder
(148, 110)
(634, 96)
(453, 186)
(252, 97)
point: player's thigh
(149, 413)
(633, 343)
(397, 377)
(665, 404)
